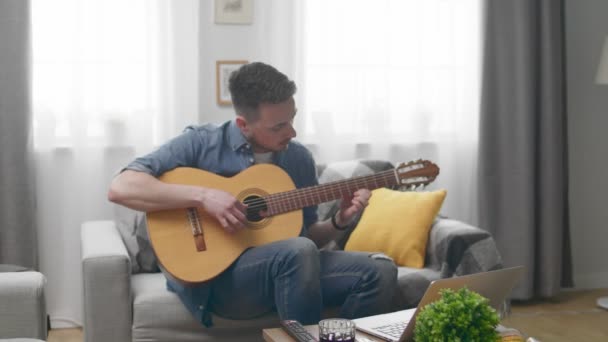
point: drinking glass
(337, 330)
(504, 311)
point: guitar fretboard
(304, 197)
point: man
(291, 276)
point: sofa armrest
(106, 273)
(456, 248)
(22, 305)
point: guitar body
(171, 231)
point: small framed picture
(223, 69)
(234, 12)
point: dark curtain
(18, 243)
(523, 166)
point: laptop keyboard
(394, 329)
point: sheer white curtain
(394, 79)
(111, 79)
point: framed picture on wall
(233, 11)
(223, 69)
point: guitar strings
(303, 194)
(389, 177)
(320, 190)
(324, 189)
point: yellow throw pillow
(397, 224)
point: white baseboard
(594, 280)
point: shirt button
(200, 307)
(251, 160)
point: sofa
(22, 304)
(126, 299)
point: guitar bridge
(197, 229)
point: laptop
(399, 326)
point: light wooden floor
(65, 335)
(571, 316)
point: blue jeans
(297, 280)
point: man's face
(273, 129)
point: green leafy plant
(457, 316)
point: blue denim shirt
(222, 150)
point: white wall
(586, 27)
(267, 40)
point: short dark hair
(257, 83)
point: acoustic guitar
(193, 247)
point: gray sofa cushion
(412, 283)
(158, 315)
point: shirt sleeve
(179, 151)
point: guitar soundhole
(255, 205)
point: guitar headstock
(416, 173)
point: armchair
(22, 304)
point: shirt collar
(236, 139)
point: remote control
(297, 331)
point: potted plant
(463, 315)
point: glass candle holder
(337, 330)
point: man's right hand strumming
(226, 209)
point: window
(95, 69)
(392, 70)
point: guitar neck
(305, 197)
